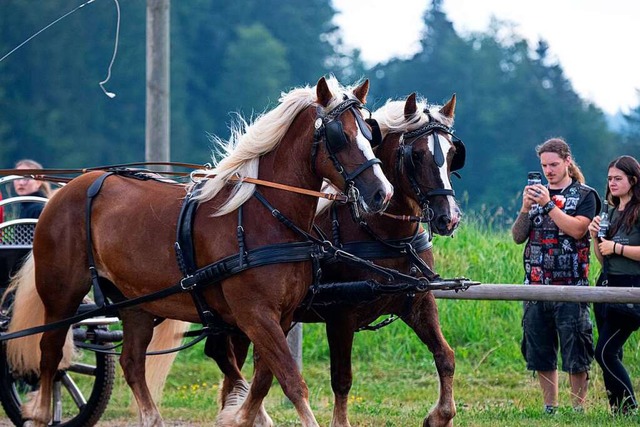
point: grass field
(395, 381)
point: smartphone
(534, 178)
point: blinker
(438, 155)
(376, 134)
(336, 138)
(460, 156)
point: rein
(50, 175)
(408, 218)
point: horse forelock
(391, 118)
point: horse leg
(272, 356)
(423, 319)
(38, 410)
(137, 328)
(340, 336)
(234, 407)
(230, 353)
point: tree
(632, 130)
(248, 85)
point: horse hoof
(263, 419)
(430, 422)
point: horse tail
(23, 354)
(167, 335)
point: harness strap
(224, 268)
(373, 250)
(185, 252)
(92, 193)
(242, 251)
(351, 176)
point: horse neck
(290, 164)
(383, 226)
(403, 201)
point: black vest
(552, 257)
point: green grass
(395, 382)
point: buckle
(187, 287)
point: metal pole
(544, 293)
(157, 130)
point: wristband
(614, 248)
(548, 207)
(621, 250)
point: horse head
(346, 157)
(419, 153)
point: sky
(595, 41)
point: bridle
(404, 161)
(329, 129)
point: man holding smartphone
(553, 221)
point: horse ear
(449, 109)
(410, 106)
(323, 93)
(361, 91)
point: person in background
(619, 254)
(31, 187)
(553, 221)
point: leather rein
(199, 172)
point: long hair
(45, 187)
(561, 148)
(249, 141)
(629, 217)
(391, 118)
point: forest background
(237, 57)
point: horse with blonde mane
(124, 230)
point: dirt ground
(6, 423)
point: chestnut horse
(313, 134)
(418, 153)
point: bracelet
(621, 250)
(614, 248)
(548, 207)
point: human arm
(594, 228)
(520, 228)
(627, 251)
(522, 224)
(574, 226)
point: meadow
(395, 381)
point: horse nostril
(379, 201)
(443, 222)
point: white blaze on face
(445, 146)
(365, 146)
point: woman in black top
(619, 255)
(31, 187)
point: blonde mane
(391, 118)
(249, 141)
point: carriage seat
(16, 238)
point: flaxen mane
(249, 141)
(391, 118)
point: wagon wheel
(81, 392)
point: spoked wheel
(80, 393)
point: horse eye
(416, 155)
